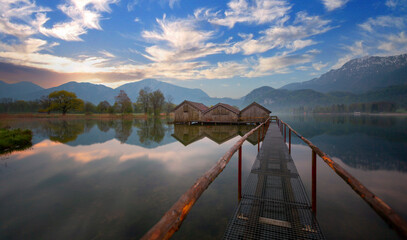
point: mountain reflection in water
(363, 142)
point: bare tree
(144, 99)
(123, 102)
(157, 101)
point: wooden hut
(188, 111)
(221, 113)
(254, 113)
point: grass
(14, 139)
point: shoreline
(78, 116)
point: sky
(226, 48)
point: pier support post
(258, 141)
(314, 182)
(285, 133)
(239, 180)
(289, 141)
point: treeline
(148, 102)
(370, 107)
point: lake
(114, 179)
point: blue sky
(226, 48)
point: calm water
(113, 179)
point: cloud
(290, 36)
(84, 14)
(385, 35)
(242, 11)
(224, 70)
(372, 24)
(180, 41)
(331, 5)
(396, 4)
(394, 43)
(107, 54)
(353, 51)
(277, 64)
(16, 17)
(171, 3)
(319, 65)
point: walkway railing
(173, 218)
(384, 210)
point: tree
(89, 107)
(45, 103)
(65, 101)
(157, 101)
(123, 103)
(103, 107)
(143, 99)
(169, 106)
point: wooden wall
(220, 114)
(187, 113)
(253, 114)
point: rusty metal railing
(173, 218)
(384, 210)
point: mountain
(359, 75)
(282, 99)
(178, 94)
(96, 93)
(17, 90)
(86, 91)
(278, 99)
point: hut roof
(227, 106)
(199, 106)
(256, 104)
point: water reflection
(110, 184)
(149, 133)
(187, 134)
(363, 142)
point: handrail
(173, 218)
(384, 210)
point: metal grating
(274, 203)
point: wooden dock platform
(274, 204)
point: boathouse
(188, 111)
(221, 113)
(254, 113)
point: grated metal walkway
(274, 203)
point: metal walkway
(274, 204)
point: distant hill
(178, 93)
(96, 93)
(282, 99)
(17, 90)
(93, 93)
(359, 75)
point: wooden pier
(273, 204)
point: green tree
(103, 107)
(89, 107)
(65, 101)
(123, 103)
(143, 99)
(157, 101)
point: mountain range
(359, 75)
(360, 80)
